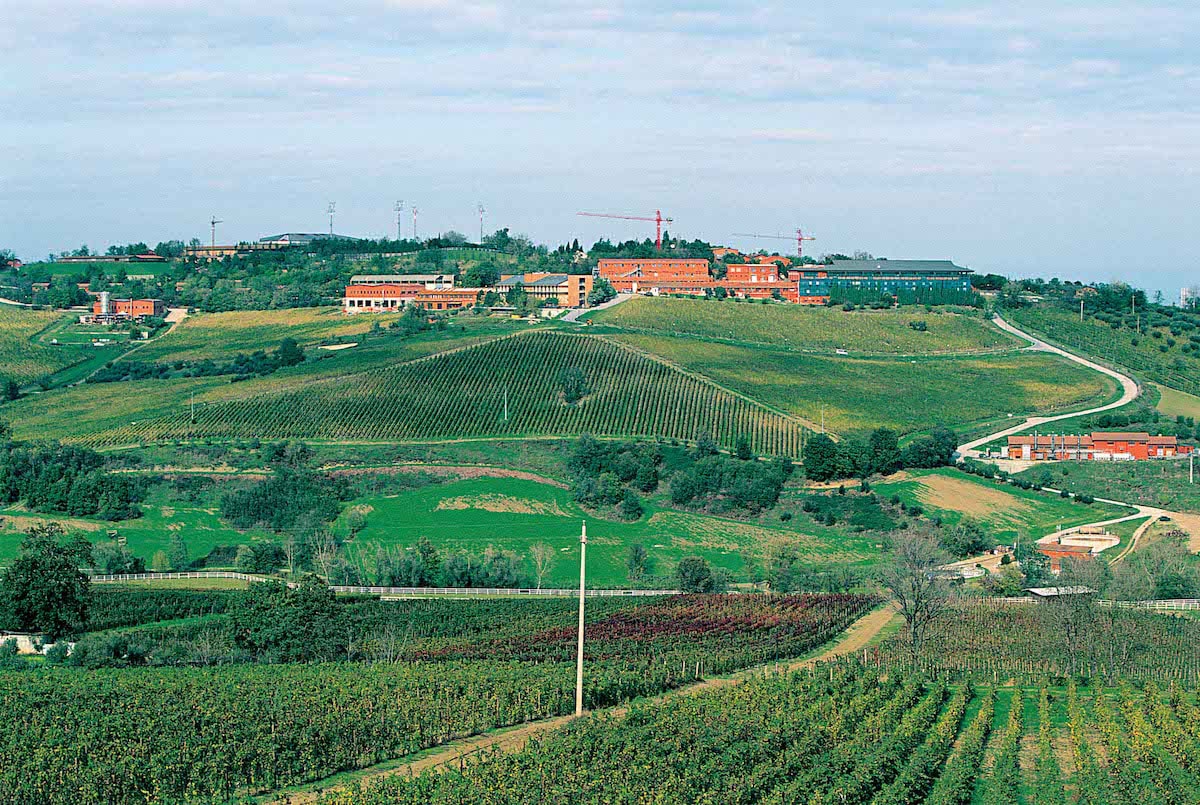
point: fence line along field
(499, 388)
(859, 394)
(811, 329)
(22, 358)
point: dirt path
(451, 755)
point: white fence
(388, 591)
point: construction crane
(657, 219)
(213, 223)
(799, 237)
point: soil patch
(976, 500)
(500, 504)
(454, 472)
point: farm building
(1098, 446)
(107, 310)
(566, 290)
(380, 297)
(882, 276)
(145, 257)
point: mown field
(1005, 511)
(1164, 484)
(23, 359)
(513, 514)
(453, 395)
(860, 394)
(1152, 358)
(809, 329)
(1178, 403)
(216, 336)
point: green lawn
(809, 329)
(1151, 483)
(1006, 511)
(513, 514)
(859, 394)
(1178, 403)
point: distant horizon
(1025, 139)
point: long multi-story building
(106, 310)
(566, 290)
(380, 297)
(881, 276)
(1098, 446)
(431, 282)
(448, 298)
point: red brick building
(448, 298)
(1099, 446)
(380, 298)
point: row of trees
(879, 453)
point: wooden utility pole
(579, 656)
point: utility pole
(506, 403)
(579, 655)
(1081, 310)
(1192, 467)
(332, 208)
(481, 212)
(414, 212)
(399, 208)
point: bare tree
(291, 548)
(324, 549)
(913, 579)
(543, 559)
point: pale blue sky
(1049, 138)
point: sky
(1026, 138)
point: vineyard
(1028, 642)
(809, 329)
(504, 387)
(1161, 359)
(858, 394)
(844, 734)
(166, 734)
(23, 360)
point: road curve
(575, 313)
(1129, 391)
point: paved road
(575, 313)
(1129, 391)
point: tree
(631, 505)
(821, 461)
(542, 556)
(481, 275)
(11, 389)
(637, 563)
(115, 559)
(705, 445)
(574, 384)
(913, 579)
(177, 552)
(967, 538)
(289, 352)
(159, 562)
(885, 451)
(693, 575)
(282, 624)
(742, 449)
(602, 291)
(44, 589)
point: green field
(858, 394)
(1151, 483)
(215, 336)
(454, 395)
(1178, 403)
(1005, 511)
(513, 514)
(111, 269)
(808, 329)
(24, 356)
(1151, 357)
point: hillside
(22, 358)
(455, 395)
(809, 329)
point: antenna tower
(332, 208)
(399, 208)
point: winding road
(1129, 391)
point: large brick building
(1098, 446)
(379, 298)
(106, 310)
(566, 290)
(448, 298)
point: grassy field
(449, 396)
(808, 329)
(513, 514)
(1178, 403)
(1151, 358)
(858, 394)
(1151, 483)
(1006, 511)
(221, 335)
(111, 269)
(23, 357)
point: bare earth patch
(455, 472)
(973, 499)
(500, 504)
(1189, 523)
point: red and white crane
(799, 237)
(657, 219)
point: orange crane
(800, 237)
(657, 219)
